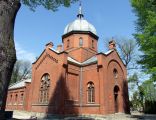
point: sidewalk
(23, 115)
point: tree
(8, 11)
(148, 96)
(133, 81)
(137, 96)
(145, 35)
(22, 70)
(144, 96)
(135, 101)
(127, 51)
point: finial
(80, 14)
(49, 45)
(112, 44)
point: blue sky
(111, 18)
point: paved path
(18, 115)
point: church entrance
(116, 104)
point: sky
(111, 18)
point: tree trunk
(8, 11)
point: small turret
(112, 44)
(49, 45)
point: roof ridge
(83, 63)
(19, 81)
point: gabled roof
(89, 61)
(54, 50)
(19, 84)
(109, 52)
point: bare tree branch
(22, 70)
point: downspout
(81, 89)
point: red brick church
(74, 78)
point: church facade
(74, 78)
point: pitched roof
(108, 52)
(89, 61)
(54, 50)
(19, 84)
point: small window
(80, 42)
(68, 43)
(115, 72)
(92, 43)
(10, 99)
(16, 98)
(91, 92)
(22, 98)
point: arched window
(10, 98)
(22, 98)
(80, 42)
(92, 43)
(116, 92)
(68, 43)
(91, 92)
(44, 89)
(115, 72)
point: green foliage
(149, 90)
(48, 4)
(145, 10)
(136, 103)
(133, 81)
(133, 78)
(137, 97)
(144, 97)
(149, 96)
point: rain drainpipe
(81, 89)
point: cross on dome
(80, 24)
(80, 14)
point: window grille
(91, 92)
(44, 89)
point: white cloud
(24, 54)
